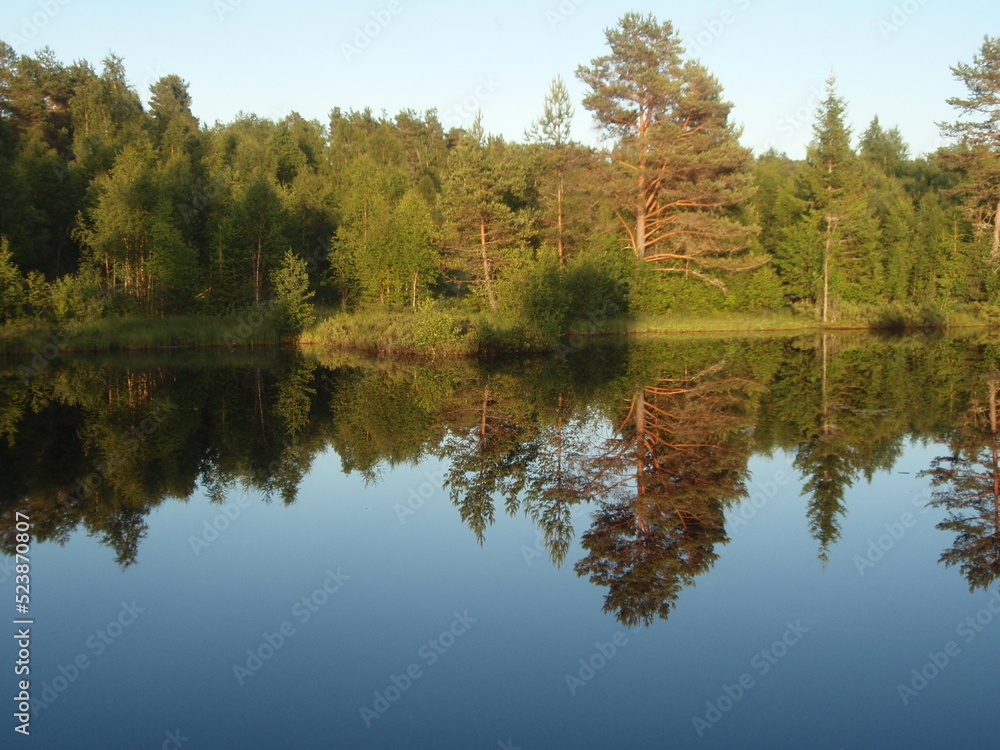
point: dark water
(788, 543)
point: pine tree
(478, 199)
(833, 189)
(977, 133)
(684, 177)
(552, 133)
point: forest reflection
(653, 439)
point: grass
(140, 334)
(695, 323)
(431, 331)
(440, 330)
(889, 317)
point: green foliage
(799, 260)
(292, 296)
(976, 155)
(683, 176)
(110, 208)
(436, 330)
(757, 291)
(657, 293)
(13, 287)
(485, 226)
(80, 296)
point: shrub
(80, 296)
(293, 298)
(13, 288)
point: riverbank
(124, 334)
(439, 331)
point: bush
(80, 296)
(657, 292)
(293, 298)
(13, 287)
(436, 331)
(755, 291)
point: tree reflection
(490, 453)
(677, 461)
(656, 449)
(968, 483)
(848, 429)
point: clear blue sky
(891, 58)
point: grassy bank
(432, 331)
(691, 323)
(857, 317)
(441, 331)
(139, 334)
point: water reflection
(676, 462)
(654, 440)
(968, 487)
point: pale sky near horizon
(891, 58)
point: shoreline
(136, 335)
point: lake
(669, 543)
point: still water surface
(760, 543)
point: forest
(391, 232)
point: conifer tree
(684, 177)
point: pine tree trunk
(826, 270)
(487, 281)
(640, 441)
(559, 222)
(640, 217)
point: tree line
(108, 206)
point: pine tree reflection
(968, 487)
(677, 462)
